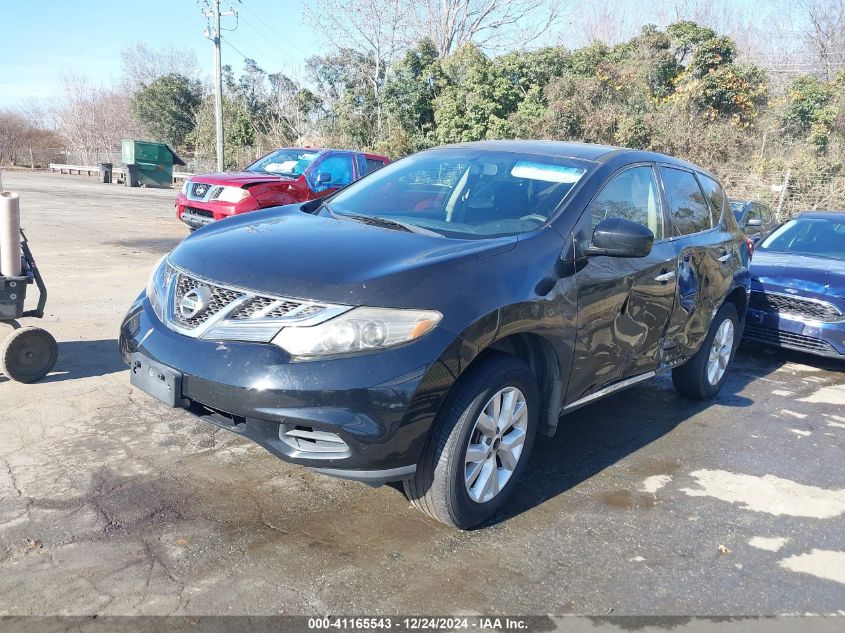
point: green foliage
(736, 91)
(813, 109)
(685, 36)
(469, 100)
(409, 98)
(710, 55)
(344, 83)
(167, 107)
(679, 91)
(238, 130)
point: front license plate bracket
(159, 381)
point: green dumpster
(149, 164)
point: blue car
(798, 286)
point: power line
(267, 34)
(235, 48)
(263, 24)
(263, 55)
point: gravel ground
(644, 503)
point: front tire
(479, 445)
(702, 376)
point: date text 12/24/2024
(420, 623)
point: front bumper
(381, 405)
(197, 213)
(813, 337)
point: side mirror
(754, 222)
(324, 178)
(617, 237)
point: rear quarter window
(715, 196)
(688, 205)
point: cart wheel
(28, 354)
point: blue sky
(41, 40)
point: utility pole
(214, 36)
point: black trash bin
(105, 172)
(132, 179)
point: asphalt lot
(644, 503)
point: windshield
(809, 236)
(464, 193)
(738, 208)
(285, 162)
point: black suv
(427, 322)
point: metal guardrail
(95, 169)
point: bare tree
(141, 65)
(825, 32)
(491, 24)
(373, 27)
(608, 21)
(293, 110)
(14, 132)
(92, 119)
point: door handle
(726, 257)
(663, 278)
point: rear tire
(469, 470)
(702, 376)
(28, 354)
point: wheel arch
(739, 298)
(540, 356)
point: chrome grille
(258, 307)
(794, 306)
(220, 298)
(234, 313)
(203, 191)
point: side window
(338, 166)
(765, 213)
(632, 195)
(716, 196)
(687, 204)
(372, 165)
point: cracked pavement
(644, 503)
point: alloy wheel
(495, 444)
(720, 352)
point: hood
(289, 253)
(798, 274)
(238, 178)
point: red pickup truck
(286, 176)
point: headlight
(233, 194)
(358, 330)
(156, 286)
(185, 186)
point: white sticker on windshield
(546, 172)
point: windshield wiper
(387, 223)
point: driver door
(624, 304)
(331, 173)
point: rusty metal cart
(28, 353)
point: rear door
(707, 254)
(367, 165)
(624, 304)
